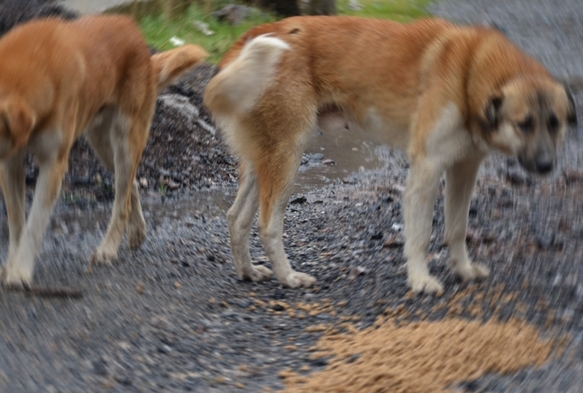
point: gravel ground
(173, 316)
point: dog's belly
(372, 127)
(382, 130)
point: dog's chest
(447, 140)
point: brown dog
(58, 80)
(446, 95)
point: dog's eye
(553, 123)
(526, 125)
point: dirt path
(173, 316)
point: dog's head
(528, 118)
(16, 123)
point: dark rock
(233, 13)
(100, 367)
(299, 200)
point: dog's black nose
(544, 163)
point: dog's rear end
(253, 126)
(60, 79)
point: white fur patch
(449, 142)
(263, 42)
(248, 76)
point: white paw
(257, 273)
(103, 257)
(472, 271)
(425, 284)
(15, 276)
(297, 279)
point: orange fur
(58, 80)
(444, 94)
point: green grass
(398, 10)
(159, 31)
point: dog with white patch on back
(445, 94)
(58, 80)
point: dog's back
(111, 62)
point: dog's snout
(544, 163)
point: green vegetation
(398, 10)
(159, 31)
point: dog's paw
(426, 284)
(257, 273)
(103, 257)
(15, 278)
(297, 280)
(472, 271)
(136, 236)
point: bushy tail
(169, 65)
(238, 86)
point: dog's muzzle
(543, 163)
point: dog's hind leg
(126, 159)
(12, 183)
(240, 218)
(98, 135)
(276, 180)
(459, 184)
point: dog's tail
(169, 65)
(240, 84)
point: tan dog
(446, 95)
(60, 79)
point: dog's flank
(58, 80)
(444, 94)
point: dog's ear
(19, 120)
(572, 110)
(492, 110)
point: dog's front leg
(12, 183)
(459, 184)
(422, 183)
(20, 265)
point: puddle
(333, 156)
